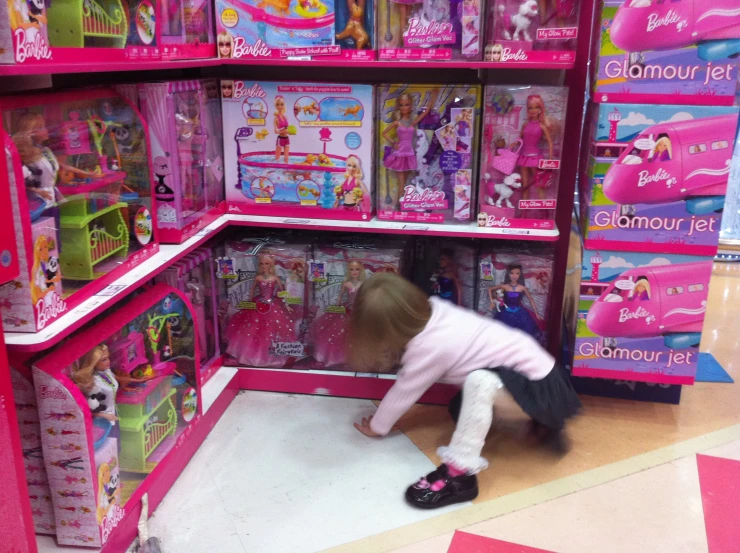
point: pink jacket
(454, 343)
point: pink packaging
(186, 141)
(514, 287)
(82, 200)
(447, 268)
(187, 30)
(336, 272)
(536, 31)
(265, 301)
(520, 168)
(430, 30)
(136, 368)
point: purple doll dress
(403, 158)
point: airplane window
(697, 148)
(696, 287)
(663, 150)
(720, 145)
(635, 157)
(640, 4)
(675, 290)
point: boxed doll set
(447, 269)
(297, 29)
(430, 30)
(656, 177)
(82, 200)
(264, 301)
(678, 51)
(641, 315)
(187, 29)
(523, 146)
(114, 403)
(186, 142)
(428, 143)
(535, 31)
(298, 150)
(514, 284)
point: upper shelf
(59, 68)
(169, 254)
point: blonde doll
(536, 128)
(94, 378)
(352, 191)
(225, 45)
(280, 126)
(45, 274)
(40, 165)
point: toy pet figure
(516, 27)
(355, 28)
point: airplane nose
(598, 317)
(617, 185)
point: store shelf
(213, 389)
(116, 66)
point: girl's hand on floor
(364, 427)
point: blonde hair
(23, 138)
(348, 277)
(641, 282)
(270, 259)
(226, 36)
(41, 242)
(664, 141)
(396, 115)
(388, 312)
(83, 374)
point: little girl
(434, 340)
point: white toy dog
(521, 21)
(504, 189)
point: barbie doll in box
(538, 127)
(328, 334)
(252, 332)
(445, 279)
(513, 312)
(94, 378)
(40, 165)
(352, 192)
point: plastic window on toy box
(447, 269)
(520, 168)
(82, 200)
(187, 29)
(113, 403)
(430, 29)
(428, 147)
(265, 302)
(538, 31)
(514, 287)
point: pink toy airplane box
(115, 404)
(82, 200)
(656, 177)
(298, 149)
(677, 51)
(296, 29)
(640, 316)
(522, 147)
(537, 31)
(186, 140)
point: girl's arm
(387, 131)
(546, 133)
(428, 108)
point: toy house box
(82, 200)
(656, 177)
(304, 29)
(680, 51)
(116, 404)
(640, 316)
(298, 150)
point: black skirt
(550, 401)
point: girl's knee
(482, 379)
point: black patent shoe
(458, 489)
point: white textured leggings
(476, 415)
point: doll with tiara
(251, 333)
(513, 313)
(328, 333)
(536, 128)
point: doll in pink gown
(328, 333)
(251, 332)
(533, 131)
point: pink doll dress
(328, 334)
(251, 331)
(403, 158)
(530, 154)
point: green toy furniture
(80, 23)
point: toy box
(536, 31)
(447, 268)
(514, 285)
(679, 52)
(115, 402)
(523, 144)
(335, 273)
(730, 229)
(428, 148)
(299, 150)
(656, 177)
(303, 29)
(640, 316)
(187, 29)
(74, 31)
(265, 301)
(82, 200)
(186, 141)
(430, 29)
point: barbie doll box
(82, 202)
(298, 149)
(656, 177)
(678, 51)
(534, 31)
(296, 29)
(640, 316)
(447, 269)
(522, 148)
(428, 152)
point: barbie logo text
(626, 315)
(660, 175)
(426, 199)
(37, 49)
(508, 55)
(655, 22)
(493, 222)
(431, 33)
(49, 308)
(115, 515)
(256, 50)
(240, 91)
(51, 393)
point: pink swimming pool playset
(298, 149)
(656, 177)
